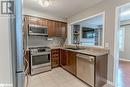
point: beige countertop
(91, 52)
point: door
(51, 28)
(63, 58)
(71, 67)
(40, 60)
(64, 30)
(33, 20)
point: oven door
(40, 60)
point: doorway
(122, 46)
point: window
(88, 32)
(121, 38)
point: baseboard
(125, 60)
(110, 83)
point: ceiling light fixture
(45, 3)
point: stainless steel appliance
(40, 59)
(38, 30)
(85, 68)
(16, 47)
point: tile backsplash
(45, 41)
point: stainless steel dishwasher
(85, 68)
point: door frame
(116, 44)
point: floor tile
(58, 77)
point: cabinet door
(63, 58)
(51, 28)
(58, 29)
(44, 22)
(39, 21)
(64, 30)
(33, 20)
(72, 62)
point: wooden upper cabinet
(33, 20)
(39, 22)
(55, 28)
(58, 29)
(51, 28)
(64, 30)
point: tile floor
(56, 78)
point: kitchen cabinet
(72, 62)
(63, 58)
(51, 28)
(91, 69)
(68, 61)
(57, 29)
(33, 20)
(37, 21)
(55, 57)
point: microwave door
(38, 30)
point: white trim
(125, 60)
(103, 36)
(110, 83)
(116, 45)
(116, 50)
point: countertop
(91, 52)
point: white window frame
(121, 48)
(101, 13)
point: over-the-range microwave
(38, 30)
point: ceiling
(61, 8)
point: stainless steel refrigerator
(17, 45)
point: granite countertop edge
(91, 53)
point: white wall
(42, 14)
(126, 53)
(5, 53)
(109, 6)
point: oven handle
(45, 53)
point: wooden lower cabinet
(72, 62)
(68, 61)
(63, 58)
(55, 56)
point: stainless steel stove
(40, 59)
